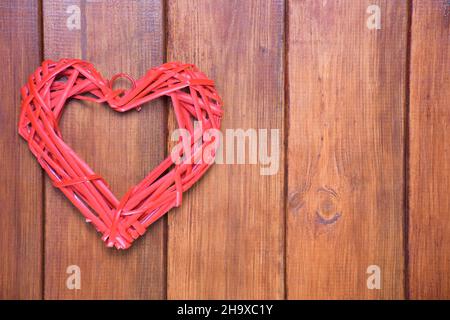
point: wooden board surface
(429, 202)
(124, 37)
(226, 241)
(345, 149)
(21, 177)
(363, 169)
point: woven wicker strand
(193, 97)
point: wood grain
(429, 201)
(116, 36)
(21, 178)
(337, 203)
(226, 241)
(345, 149)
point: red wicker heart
(193, 96)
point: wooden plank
(345, 149)
(226, 241)
(21, 177)
(119, 36)
(429, 158)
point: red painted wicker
(193, 97)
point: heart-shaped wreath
(194, 98)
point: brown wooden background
(365, 162)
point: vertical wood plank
(429, 202)
(226, 241)
(345, 149)
(21, 177)
(116, 36)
